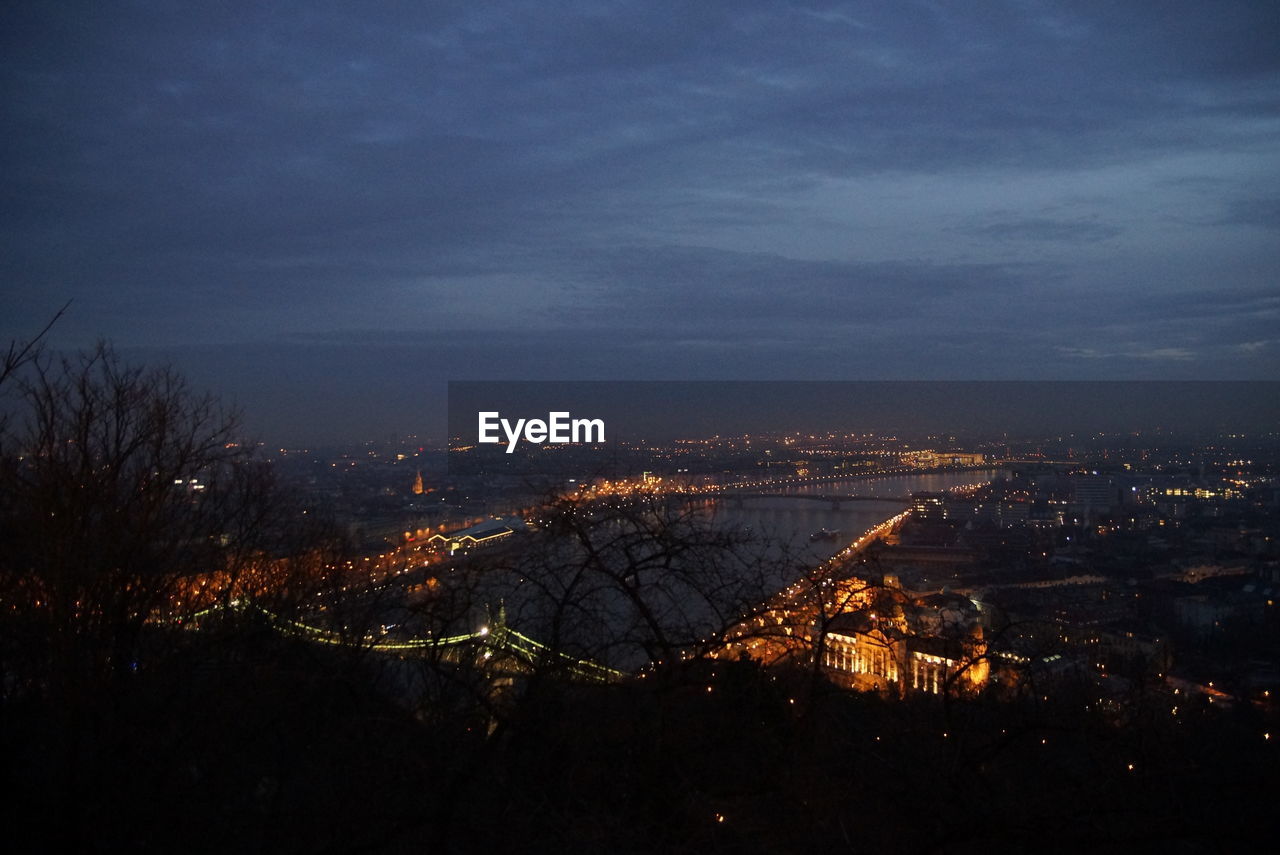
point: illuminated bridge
(498, 648)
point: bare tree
(636, 579)
(23, 352)
(121, 492)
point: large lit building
(932, 644)
(486, 533)
(931, 459)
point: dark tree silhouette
(126, 501)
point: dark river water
(792, 521)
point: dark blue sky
(325, 210)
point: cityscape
(627, 427)
(741, 641)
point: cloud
(1045, 229)
(985, 188)
(1264, 213)
(1177, 354)
(1209, 304)
(709, 289)
(1254, 346)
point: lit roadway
(781, 625)
(756, 487)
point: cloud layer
(750, 190)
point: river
(792, 521)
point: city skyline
(664, 411)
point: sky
(324, 211)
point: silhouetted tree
(127, 501)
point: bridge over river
(788, 488)
(498, 648)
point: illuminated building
(931, 459)
(486, 533)
(933, 645)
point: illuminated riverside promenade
(782, 629)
